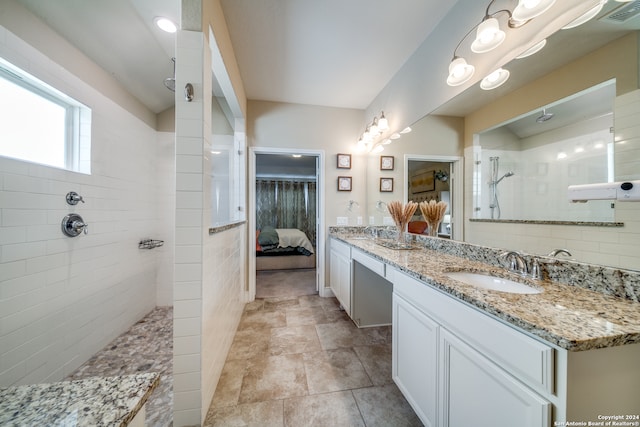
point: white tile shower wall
(166, 187)
(62, 299)
(189, 235)
(222, 303)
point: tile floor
(300, 361)
(296, 360)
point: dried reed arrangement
(401, 214)
(433, 213)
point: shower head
(506, 175)
(544, 116)
(170, 82)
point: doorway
(286, 196)
(440, 179)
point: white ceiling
(326, 52)
(329, 52)
(321, 52)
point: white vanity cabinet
(340, 272)
(458, 367)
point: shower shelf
(150, 244)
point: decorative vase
(433, 228)
(401, 234)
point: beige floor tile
(262, 319)
(294, 339)
(385, 407)
(228, 390)
(249, 343)
(323, 410)
(260, 414)
(313, 315)
(347, 334)
(334, 370)
(274, 377)
(376, 360)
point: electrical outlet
(342, 220)
(372, 220)
(359, 220)
(387, 220)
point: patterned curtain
(287, 204)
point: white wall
(62, 299)
(209, 269)
(334, 130)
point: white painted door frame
(457, 186)
(320, 228)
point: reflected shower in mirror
(542, 153)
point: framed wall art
(386, 185)
(344, 161)
(423, 181)
(344, 183)
(386, 163)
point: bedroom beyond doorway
(286, 223)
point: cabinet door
(414, 358)
(477, 392)
(340, 279)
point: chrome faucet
(554, 253)
(517, 264)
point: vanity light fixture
(489, 36)
(495, 79)
(405, 130)
(590, 14)
(395, 135)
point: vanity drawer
(526, 358)
(368, 261)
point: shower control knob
(73, 198)
(73, 224)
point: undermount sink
(487, 281)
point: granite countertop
(569, 317)
(97, 401)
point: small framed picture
(344, 161)
(386, 163)
(386, 185)
(344, 183)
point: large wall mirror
(524, 166)
(590, 71)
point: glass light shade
(373, 129)
(533, 49)
(488, 37)
(586, 16)
(394, 135)
(495, 79)
(383, 123)
(386, 141)
(406, 130)
(459, 72)
(377, 149)
(529, 9)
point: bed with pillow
(283, 249)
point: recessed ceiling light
(165, 24)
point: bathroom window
(40, 124)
